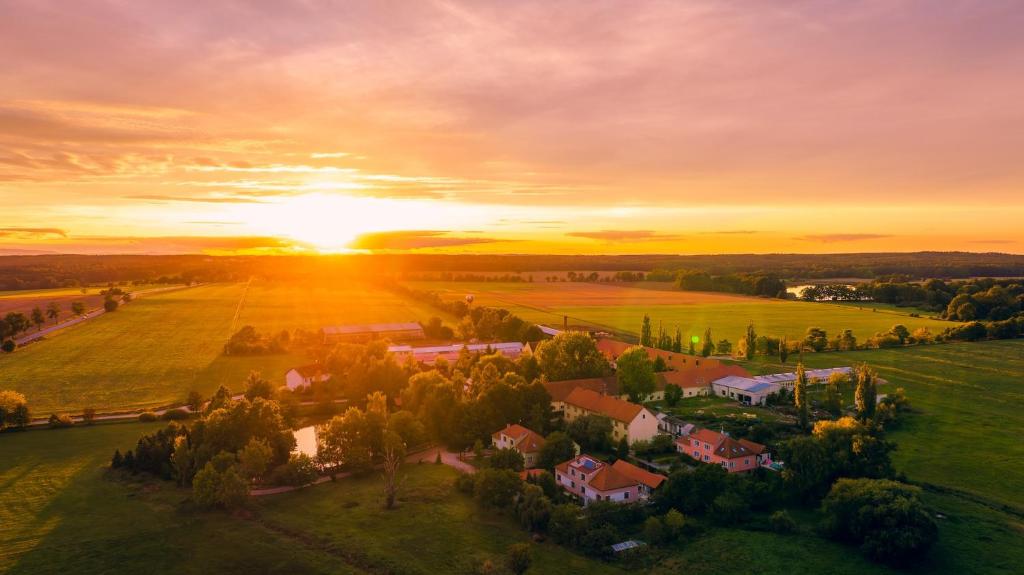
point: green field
(60, 514)
(621, 309)
(968, 399)
(152, 352)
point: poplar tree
(645, 332)
(709, 344)
(750, 341)
(800, 395)
(866, 393)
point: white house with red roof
(648, 482)
(591, 479)
(527, 442)
(304, 376)
(630, 420)
(734, 455)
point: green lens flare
(695, 339)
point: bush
(464, 482)
(507, 458)
(517, 559)
(8, 346)
(886, 518)
(110, 305)
(174, 415)
(59, 421)
(782, 522)
(147, 416)
(496, 487)
(597, 542)
(298, 471)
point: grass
(712, 408)
(967, 398)
(152, 352)
(59, 514)
(621, 309)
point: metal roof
(370, 328)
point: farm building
(629, 420)
(733, 455)
(613, 348)
(429, 354)
(591, 479)
(694, 382)
(358, 333)
(672, 425)
(527, 442)
(754, 390)
(304, 376)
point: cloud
(33, 232)
(626, 235)
(730, 232)
(992, 241)
(834, 238)
(413, 240)
(198, 199)
(183, 245)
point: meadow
(61, 512)
(153, 352)
(964, 432)
(620, 309)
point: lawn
(152, 352)
(968, 397)
(621, 309)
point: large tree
(708, 347)
(53, 311)
(800, 395)
(646, 337)
(558, 447)
(866, 394)
(749, 342)
(635, 374)
(571, 355)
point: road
(37, 335)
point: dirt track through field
(238, 309)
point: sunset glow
(484, 127)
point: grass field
(152, 352)
(59, 514)
(621, 309)
(968, 397)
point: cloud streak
(413, 240)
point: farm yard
(967, 399)
(620, 309)
(153, 352)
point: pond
(305, 440)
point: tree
(635, 374)
(677, 341)
(14, 412)
(194, 401)
(110, 304)
(591, 431)
(646, 338)
(900, 331)
(221, 400)
(394, 453)
(38, 318)
(816, 339)
(77, 308)
(675, 522)
(218, 484)
(256, 386)
(53, 311)
(517, 558)
(865, 395)
(782, 522)
(254, 459)
(800, 395)
(496, 487)
(749, 342)
(571, 355)
(833, 396)
(724, 347)
(8, 346)
(622, 448)
(89, 415)
(847, 341)
(673, 393)
(534, 508)
(708, 347)
(558, 447)
(654, 531)
(345, 441)
(886, 518)
(783, 350)
(507, 458)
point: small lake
(305, 440)
(795, 290)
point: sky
(310, 126)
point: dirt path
(238, 309)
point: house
(429, 354)
(629, 420)
(733, 455)
(591, 479)
(528, 443)
(559, 390)
(359, 333)
(304, 376)
(674, 426)
(648, 482)
(613, 348)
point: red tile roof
(310, 370)
(559, 390)
(725, 446)
(526, 440)
(613, 407)
(652, 480)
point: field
(152, 352)
(59, 514)
(621, 309)
(967, 397)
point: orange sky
(526, 127)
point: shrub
(496, 487)
(782, 522)
(886, 518)
(298, 471)
(89, 415)
(147, 416)
(507, 458)
(174, 415)
(58, 421)
(517, 559)
(597, 542)
(464, 482)
(8, 346)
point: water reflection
(305, 440)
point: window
(625, 495)
(572, 484)
(746, 461)
(696, 454)
(707, 457)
